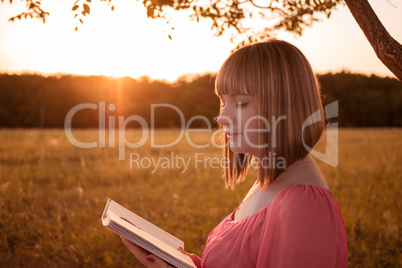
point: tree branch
(388, 50)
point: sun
(115, 43)
(127, 43)
(123, 42)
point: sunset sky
(125, 43)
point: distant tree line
(35, 101)
(364, 101)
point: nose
(223, 119)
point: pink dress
(302, 227)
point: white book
(145, 234)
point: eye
(241, 103)
(221, 102)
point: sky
(125, 43)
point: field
(52, 194)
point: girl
(289, 218)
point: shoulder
(305, 228)
(305, 203)
(301, 194)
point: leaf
(86, 8)
(75, 7)
(112, 8)
(89, 1)
(81, 21)
(170, 37)
(150, 12)
(76, 29)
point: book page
(144, 225)
(145, 234)
(151, 239)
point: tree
(388, 50)
(290, 15)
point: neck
(300, 171)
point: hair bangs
(235, 76)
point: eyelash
(238, 104)
(241, 104)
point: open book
(145, 234)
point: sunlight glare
(123, 42)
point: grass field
(52, 195)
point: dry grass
(52, 195)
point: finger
(149, 260)
(194, 257)
(138, 252)
(157, 262)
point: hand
(149, 260)
(194, 258)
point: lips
(230, 135)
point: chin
(239, 150)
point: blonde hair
(282, 81)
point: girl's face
(239, 118)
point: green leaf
(75, 7)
